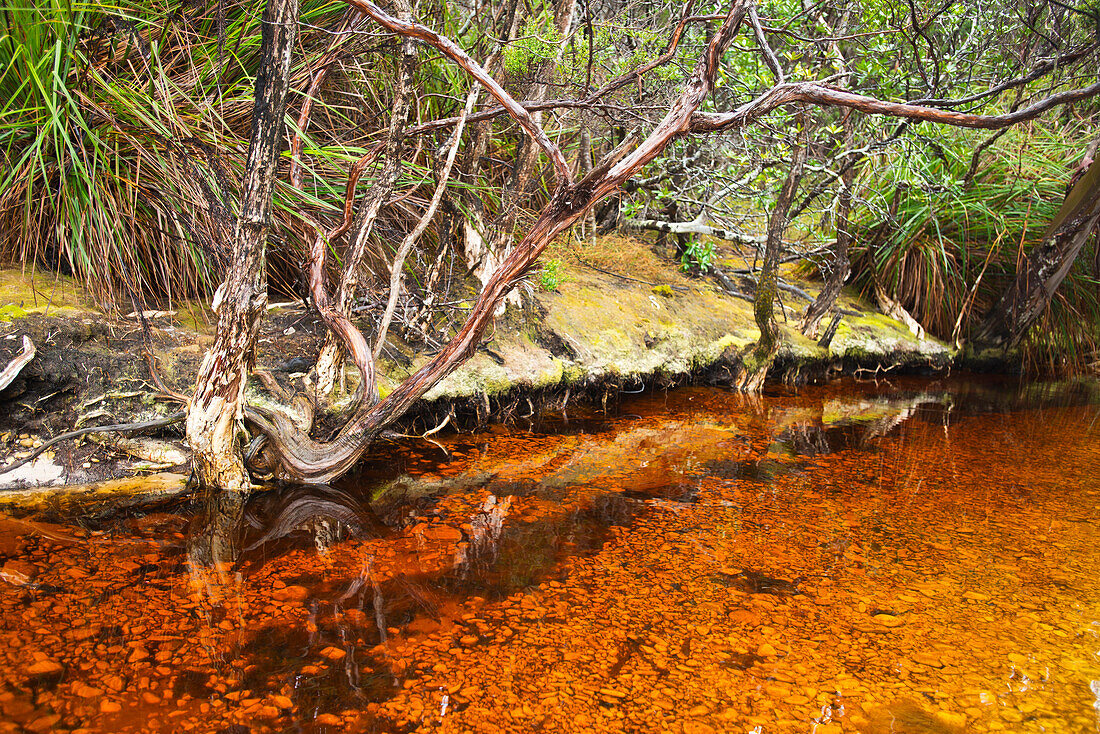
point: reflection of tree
(325, 514)
(216, 539)
(231, 528)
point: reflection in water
(484, 534)
(917, 557)
(322, 515)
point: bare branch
(412, 237)
(812, 93)
(452, 51)
(769, 55)
(591, 101)
(1038, 72)
(697, 228)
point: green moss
(31, 291)
(552, 376)
(663, 290)
(11, 311)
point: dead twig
(117, 428)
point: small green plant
(697, 256)
(551, 275)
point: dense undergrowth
(124, 129)
(946, 240)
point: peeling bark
(218, 403)
(298, 457)
(16, 365)
(331, 358)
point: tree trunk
(217, 405)
(1044, 269)
(298, 457)
(841, 265)
(330, 360)
(760, 358)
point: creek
(910, 555)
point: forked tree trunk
(300, 458)
(217, 406)
(291, 451)
(1046, 267)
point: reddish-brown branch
(318, 77)
(301, 458)
(337, 322)
(809, 92)
(590, 102)
(453, 51)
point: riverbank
(604, 329)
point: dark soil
(95, 366)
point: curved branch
(301, 458)
(811, 93)
(412, 237)
(1038, 72)
(769, 55)
(452, 50)
(338, 322)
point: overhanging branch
(454, 52)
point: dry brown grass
(622, 254)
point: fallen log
(95, 498)
(696, 228)
(16, 365)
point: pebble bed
(706, 564)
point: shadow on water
(351, 621)
(522, 528)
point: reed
(947, 247)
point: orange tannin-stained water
(913, 556)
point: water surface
(910, 556)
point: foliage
(946, 248)
(124, 126)
(698, 257)
(537, 43)
(552, 274)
